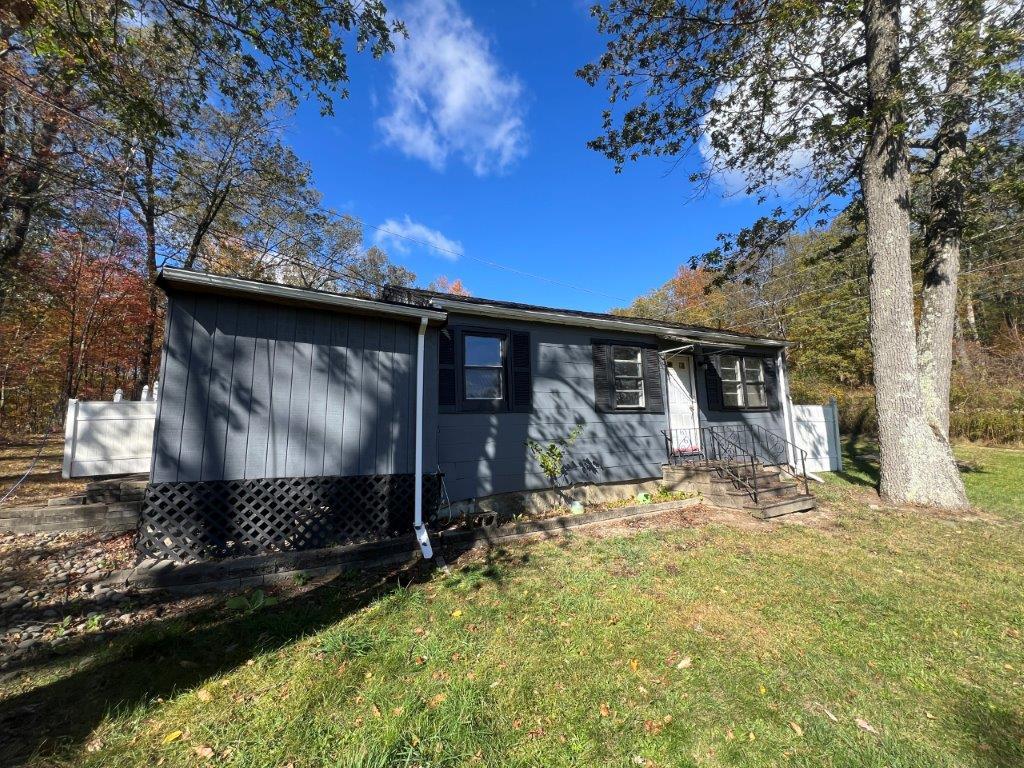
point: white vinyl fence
(108, 438)
(816, 430)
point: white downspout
(421, 530)
(787, 411)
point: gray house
(290, 418)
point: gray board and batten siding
(251, 389)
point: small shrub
(250, 603)
(551, 457)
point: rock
(25, 645)
(125, 618)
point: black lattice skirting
(190, 522)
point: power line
(317, 208)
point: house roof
(471, 305)
(416, 303)
(286, 294)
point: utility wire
(317, 208)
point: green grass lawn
(858, 637)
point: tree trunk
(946, 228)
(917, 466)
(148, 205)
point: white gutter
(787, 411)
(421, 530)
(234, 285)
(560, 318)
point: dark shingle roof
(422, 297)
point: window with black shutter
(627, 377)
(741, 383)
(483, 370)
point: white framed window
(628, 376)
(483, 368)
(743, 383)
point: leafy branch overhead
(244, 49)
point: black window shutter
(713, 379)
(771, 384)
(654, 401)
(447, 379)
(604, 387)
(521, 391)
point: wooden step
(799, 503)
(65, 501)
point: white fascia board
(559, 318)
(238, 287)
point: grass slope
(858, 637)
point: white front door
(682, 402)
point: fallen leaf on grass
(796, 728)
(456, 613)
(828, 714)
(605, 710)
(203, 695)
(94, 746)
(685, 663)
(929, 715)
(864, 725)
(172, 736)
(634, 664)
(204, 752)
(729, 735)
(652, 727)
(436, 700)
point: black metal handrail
(708, 446)
(729, 456)
(724, 448)
(771, 438)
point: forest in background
(140, 134)
(813, 290)
(137, 135)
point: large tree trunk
(946, 227)
(917, 466)
(147, 200)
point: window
(483, 366)
(743, 383)
(628, 374)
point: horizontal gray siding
(482, 454)
(254, 390)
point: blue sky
(473, 136)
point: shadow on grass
(162, 660)
(860, 465)
(996, 730)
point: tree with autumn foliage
(442, 284)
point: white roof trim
(237, 286)
(559, 318)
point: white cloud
(400, 236)
(450, 97)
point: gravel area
(52, 592)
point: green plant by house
(551, 456)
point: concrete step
(799, 503)
(770, 491)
